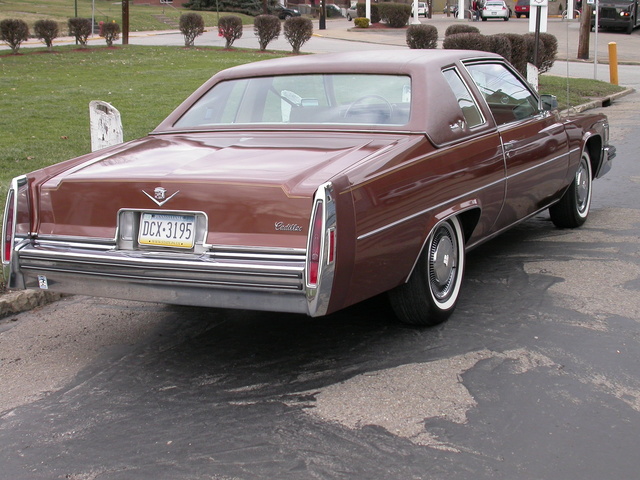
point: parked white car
(495, 9)
(423, 9)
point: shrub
(230, 27)
(396, 15)
(422, 36)
(361, 22)
(111, 32)
(14, 32)
(266, 28)
(297, 31)
(466, 41)
(47, 31)
(375, 13)
(460, 28)
(80, 28)
(501, 45)
(518, 52)
(191, 26)
(547, 50)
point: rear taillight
(315, 244)
(8, 227)
(322, 251)
(321, 244)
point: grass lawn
(141, 17)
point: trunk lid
(255, 188)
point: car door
(534, 142)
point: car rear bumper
(267, 279)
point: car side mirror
(548, 102)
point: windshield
(304, 99)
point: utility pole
(585, 28)
(125, 22)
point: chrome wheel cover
(443, 262)
(583, 186)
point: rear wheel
(573, 208)
(431, 294)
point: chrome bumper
(608, 154)
(268, 279)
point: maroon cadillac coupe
(307, 184)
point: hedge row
(517, 49)
(14, 31)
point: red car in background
(522, 8)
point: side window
(466, 102)
(509, 99)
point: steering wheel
(366, 97)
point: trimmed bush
(422, 36)
(230, 27)
(191, 26)
(297, 31)
(361, 22)
(396, 15)
(14, 32)
(460, 28)
(47, 31)
(518, 52)
(266, 28)
(466, 41)
(361, 9)
(547, 50)
(80, 28)
(501, 45)
(110, 32)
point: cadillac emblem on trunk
(160, 195)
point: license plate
(167, 230)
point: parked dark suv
(522, 8)
(622, 14)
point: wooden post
(585, 29)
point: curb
(19, 301)
(601, 102)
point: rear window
(361, 99)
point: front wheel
(431, 294)
(573, 208)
